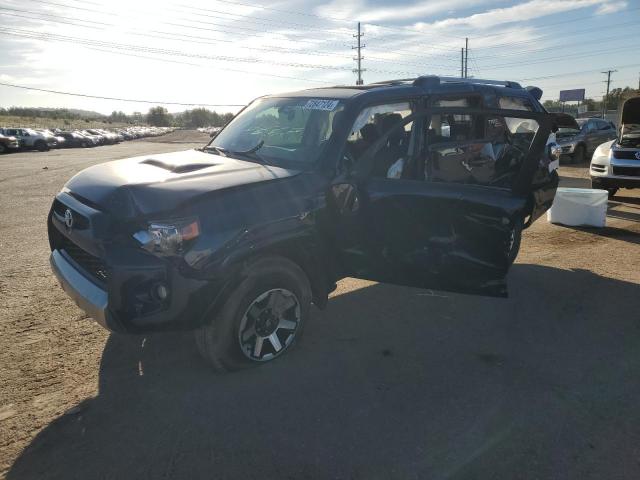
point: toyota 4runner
(425, 182)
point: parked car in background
(60, 141)
(616, 164)
(109, 137)
(8, 144)
(73, 139)
(98, 138)
(426, 182)
(29, 138)
(578, 145)
(91, 140)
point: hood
(565, 136)
(630, 112)
(160, 183)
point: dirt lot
(390, 382)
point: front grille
(626, 154)
(627, 171)
(93, 265)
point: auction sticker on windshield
(321, 104)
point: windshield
(287, 132)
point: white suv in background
(616, 164)
(29, 138)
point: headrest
(369, 132)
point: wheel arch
(306, 254)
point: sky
(223, 53)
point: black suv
(425, 182)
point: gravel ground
(390, 382)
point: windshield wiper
(250, 153)
(221, 151)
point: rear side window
(459, 102)
(490, 151)
(515, 103)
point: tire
(245, 332)
(3, 149)
(612, 191)
(514, 240)
(41, 146)
(578, 154)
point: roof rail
(393, 82)
(420, 81)
(479, 81)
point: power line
(460, 37)
(196, 38)
(181, 37)
(578, 73)
(550, 59)
(100, 43)
(551, 47)
(199, 65)
(570, 33)
(256, 32)
(119, 99)
(225, 58)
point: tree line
(156, 116)
(198, 117)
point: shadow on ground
(389, 382)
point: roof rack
(430, 80)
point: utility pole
(606, 97)
(466, 56)
(462, 62)
(359, 58)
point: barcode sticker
(321, 104)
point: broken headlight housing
(168, 238)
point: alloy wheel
(269, 325)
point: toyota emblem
(68, 219)
(638, 155)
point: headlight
(168, 238)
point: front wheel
(514, 240)
(2, 148)
(261, 320)
(41, 146)
(612, 192)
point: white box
(579, 207)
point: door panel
(441, 227)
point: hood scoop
(179, 167)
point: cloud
(516, 13)
(611, 7)
(361, 11)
